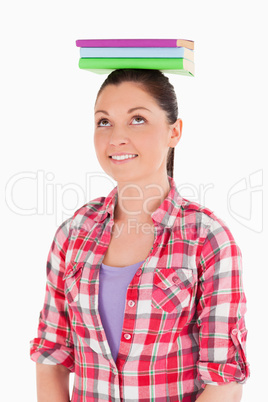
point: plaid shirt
(184, 314)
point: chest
(128, 247)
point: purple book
(189, 44)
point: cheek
(98, 144)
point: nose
(118, 136)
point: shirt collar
(164, 215)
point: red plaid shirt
(186, 326)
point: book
(108, 71)
(189, 44)
(137, 52)
(106, 65)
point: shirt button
(237, 333)
(175, 279)
(139, 272)
(131, 303)
(127, 337)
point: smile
(118, 159)
(122, 157)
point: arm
(231, 392)
(53, 349)
(221, 309)
(52, 383)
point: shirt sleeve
(221, 309)
(53, 344)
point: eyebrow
(129, 111)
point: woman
(144, 298)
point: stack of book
(175, 56)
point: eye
(139, 120)
(102, 123)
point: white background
(49, 167)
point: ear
(175, 133)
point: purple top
(114, 282)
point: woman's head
(154, 82)
(156, 87)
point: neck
(138, 200)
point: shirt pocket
(173, 299)
(173, 289)
(72, 279)
(78, 315)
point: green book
(106, 65)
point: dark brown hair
(158, 86)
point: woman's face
(129, 121)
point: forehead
(126, 94)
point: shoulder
(210, 236)
(84, 217)
(91, 210)
(202, 221)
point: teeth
(122, 157)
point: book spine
(114, 63)
(109, 70)
(96, 52)
(126, 43)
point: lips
(123, 160)
(122, 154)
